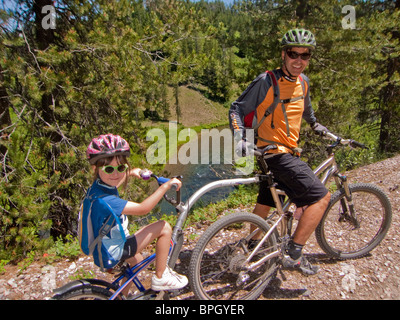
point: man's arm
(308, 113)
(248, 102)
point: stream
(206, 165)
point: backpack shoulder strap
(109, 222)
(303, 85)
(286, 101)
(274, 103)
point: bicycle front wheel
(87, 292)
(343, 235)
(218, 269)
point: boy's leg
(161, 230)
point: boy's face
(114, 179)
(296, 66)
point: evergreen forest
(73, 69)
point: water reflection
(205, 171)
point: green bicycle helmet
(298, 38)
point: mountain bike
(227, 264)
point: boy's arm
(139, 209)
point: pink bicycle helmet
(105, 146)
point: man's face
(293, 60)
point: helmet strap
(286, 70)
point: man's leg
(262, 211)
(310, 220)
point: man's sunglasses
(295, 55)
(110, 169)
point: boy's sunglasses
(295, 55)
(110, 169)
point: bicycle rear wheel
(217, 268)
(341, 236)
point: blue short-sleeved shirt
(113, 242)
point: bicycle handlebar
(350, 142)
(147, 174)
(338, 140)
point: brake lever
(174, 187)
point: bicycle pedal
(163, 295)
(174, 293)
(148, 294)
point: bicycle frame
(131, 274)
(183, 210)
(326, 170)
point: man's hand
(319, 129)
(244, 148)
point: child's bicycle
(227, 264)
(95, 289)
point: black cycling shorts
(130, 248)
(294, 177)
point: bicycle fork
(348, 213)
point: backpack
(250, 120)
(90, 243)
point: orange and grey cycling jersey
(283, 125)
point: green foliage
(242, 196)
(2, 265)
(107, 65)
(63, 248)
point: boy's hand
(135, 173)
(175, 184)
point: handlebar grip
(162, 180)
(145, 174)
(356, 144)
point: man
(280, 129)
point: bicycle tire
(87, 292)
(215, 268)
(337, 235)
